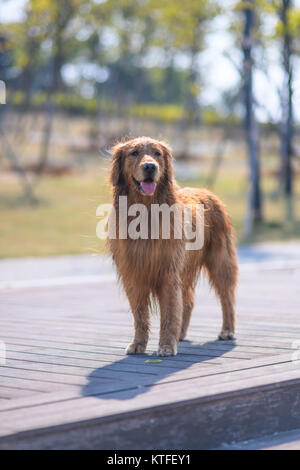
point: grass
(64, 221)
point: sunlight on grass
(64, 221)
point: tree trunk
(286, 148)
(254, 209)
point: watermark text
(159, 221)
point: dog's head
(141, 164)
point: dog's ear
(116, 175)
(168, 158)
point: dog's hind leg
(188, 292)
(221, 264)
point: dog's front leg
(141, 316)
(170, 302)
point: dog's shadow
(138, 373)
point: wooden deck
(67, 384)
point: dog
(162, 268)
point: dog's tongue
(148, 188)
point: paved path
(66, 382)
(76, 269)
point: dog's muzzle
(149, 170)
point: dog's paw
(226, 334)
(167, 350)
(135, 348)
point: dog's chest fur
(147, 261)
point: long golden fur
(161, 267)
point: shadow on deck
(166, 367)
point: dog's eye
(134, 153)
(157, 154)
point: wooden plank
(121, 423)
(17, 392)
(87, 358)
(62, 373)
(122, 364)
(187, 353)
(106, 354)
(33, 383)
(197, 324)
(119, 343)
(89, 387)
(223, 374)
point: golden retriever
(162, 268)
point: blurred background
(219, 80)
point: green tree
(287, 32)
(245, 32)
(285, 36)
(182, 29)
(130, 30)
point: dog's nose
(149, 168)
